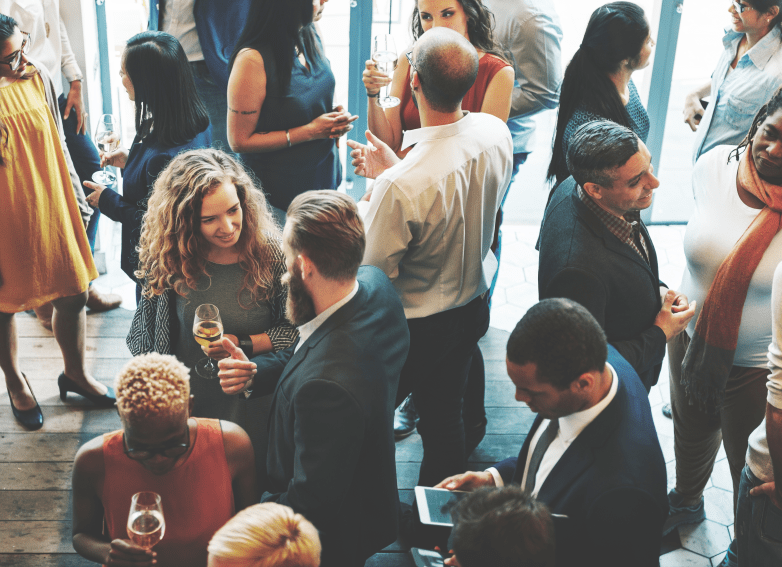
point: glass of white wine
(146, 524)
(107, 139)
(385, 56)
(207, 328)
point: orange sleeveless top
(197, 496)
(488, 66)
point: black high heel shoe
(31, 419)
(66, 385)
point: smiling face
(221, 217)
(767, 149)
(9, 50)
(443, 13)
(317, 9)
(751, 20)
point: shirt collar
(572, 425)
(762, 51)
(412, 137)
(307, 329)
(621, 227)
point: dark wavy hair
(280, 26)
(615, 32)
(480, 26)
(764, 6)
(773, 105)
(165, 92)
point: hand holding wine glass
(207, 328)
(384, 55)
(146, 524)
(107, 138)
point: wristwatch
(246, 344)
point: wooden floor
(35, 467)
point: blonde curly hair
(152, 385)
(172, 252)
(267, 535)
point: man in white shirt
(430, 226)
(592, 455)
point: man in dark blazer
(331, 442)
(596, 461)
(594, 248)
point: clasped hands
(117, 158)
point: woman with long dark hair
(281, 116)
(598, 84)
(170, 118)
(44, 252)
(491, 92)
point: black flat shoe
(66, 385)
(29, 419)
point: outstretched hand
(373, 158)
(237, 372)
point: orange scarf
(709, 357)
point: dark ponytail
(615, 32)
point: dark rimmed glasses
(409, 56)
(740, 8)
(16, 57)
(171, 451)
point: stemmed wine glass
(207, 328)
(385, 56)
(146, 524)
(107, 139)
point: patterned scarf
(709, 357)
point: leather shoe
(31, 419)
(97, 301)
(44, 313)
(66, 385)
(405, 419)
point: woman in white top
(732, 246)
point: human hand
(328, 125)
(768, 489)
(94, 198)
(125, 553)
(75, 102)
(693, 111)
(343, 123)
(236, 373)
(216, 350)
(468, 481)
(117, 158)
(452, 561)
(373, 158)
(670, 321)
(373, 79)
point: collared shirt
(531, 34)
(430, 220)
(306, 330)
(570, 427)
(177, 18)
(627, 229)
(738, 95)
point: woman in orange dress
(44, 253)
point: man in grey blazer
(331, 441)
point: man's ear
(593, 190)
(583, 383)
(415, 82)
(306, 266)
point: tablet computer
(426, 557)
(435, 504)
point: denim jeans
(441, 350)
(758, 528)
(216, 100)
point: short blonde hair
(152, 385)
(268, 535)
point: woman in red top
(491, 92)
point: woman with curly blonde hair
(208, 237)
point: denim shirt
(737, 97)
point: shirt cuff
(497, 477)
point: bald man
(430, 225)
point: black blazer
(582, 260)
(331, 439)
(611, 483)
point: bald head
(447, 65)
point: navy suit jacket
(611, 483)
(580, 259)
(331, 440)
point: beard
(415, 100)
(299, 307)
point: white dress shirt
(430, 221)
(177, 18)
(570, 427)
(306, 330)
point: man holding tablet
(592, 455)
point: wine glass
(207, 328)
(107, 140)
(146, 524)
(384, 56)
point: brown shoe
(97, 301)
(44, 314)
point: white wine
(385, 61)
(108, 143)
(146, 528)
(207, 332)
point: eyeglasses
(16, 57)
(409, 56)
(740, 8)
(171, 451)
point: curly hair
(152, 385)
(773, 105)
(172, 251)
(480, 26)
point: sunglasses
(16, 58)
(741, 8)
